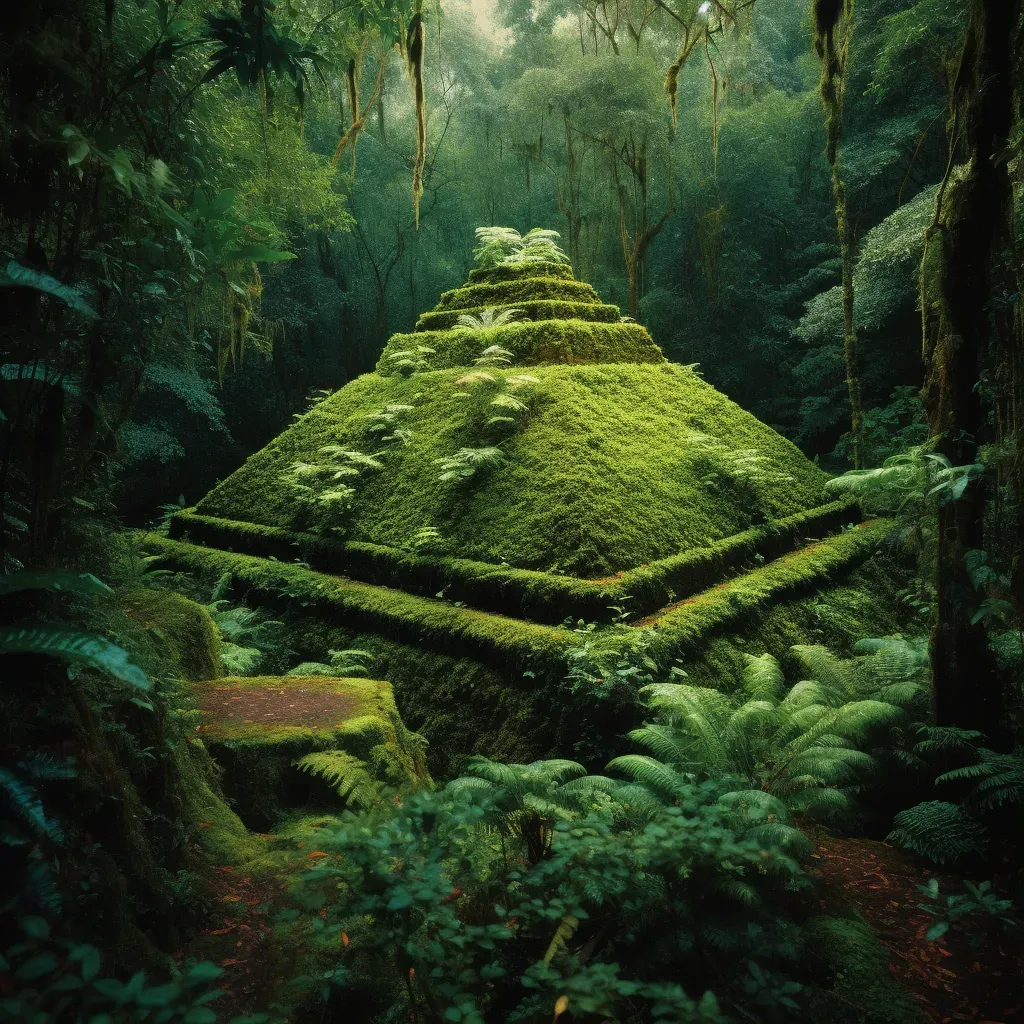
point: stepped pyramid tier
(536, 461)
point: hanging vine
(414, 49)
(833, 27)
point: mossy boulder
(257, 727)
(184, 630)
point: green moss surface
(516, 272)
(612, 466)
(681, 627)
(543, 597)
(529, 309)
(532, 342)
(361, 606)
(863, 603)
(503, 293)
(183, 628)
(459, 704)
(863, 990)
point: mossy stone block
(257, 727)
(184, 628)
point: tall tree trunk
(834, 29)
(963, 272)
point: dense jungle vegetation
(511, 511)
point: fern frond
(74, 648)
(786, 838)
(504, 401)
(937, 829)
(837, 677)
(563, 933)
(28, 805)
(345, 772)
(762, 677)
(648, 771)
(310, 669)
(73, 582)
(755, 804)
(474, 377)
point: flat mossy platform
(257, 727)
(531, 343)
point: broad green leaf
(258, 254)
(79, 583)
(17, 276)
(74, 647)
(78, 150)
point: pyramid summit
(528, 456)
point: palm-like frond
(762, 676)
(488, 318)
(73, 647)
(1001, 775)
(648, 771)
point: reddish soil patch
(949, 980)
(240, 940)
(313, 707)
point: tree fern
(345, 773)
(803, 745)
(505, 246)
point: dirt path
(950, 980)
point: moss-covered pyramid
(492, 479)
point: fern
(762, 676)
(412, 360)
(494, 355)
(802, 746)
(505, 246)
(25, 800)
(309, 669)
(487, 319)
(937, 829)
(467, 461)
(1001, 775)
(345, 773)
(74, 648)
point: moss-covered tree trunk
(964, 273)
(833, 31)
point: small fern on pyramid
(487, 318)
